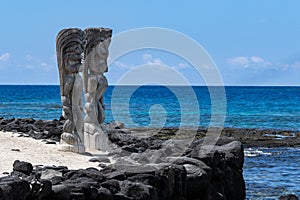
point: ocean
(268, 172)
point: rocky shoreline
(52, 129)
(139, 171)
(217, 175)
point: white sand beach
(38, 153)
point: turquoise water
(247, 107)
(268, 172)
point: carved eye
(72, 59)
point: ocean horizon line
(154, 85)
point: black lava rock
(288, 197)
(23, 167)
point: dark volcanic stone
(17, 150)
(186, 160)
(115, 125)
(62, 169)
(138, 191)
(46, 189)
(95, 174)
(14, 189)
(147, 179)
(57, 180)
(40, 189)
(112, 185)
(102, 165)
(130, 148)
(197, 182)
(60, 192)
(79, 183)
(172, 182)
(23, 167)
(234, 183)
(18, 174)
(234, 154)
(226, 162)
(54, 131)
(77, 196)
(104, 159)
(39, 123)
(1, 194)
(211, 172)
(288, 197)
(104, 194)
(121, 196)
(7, 121)
(118, 175)
(29, 127)
(50, 173)
(27, 120)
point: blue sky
(252, 42)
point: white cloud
(258, 64)
(122, 65)
(239, 61)
(36, 63)
(253, 62)
(257, 59)
(4, 57)
(183, 66)
(157, 61)
(148, 59)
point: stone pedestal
(78, 147)
(96, 138)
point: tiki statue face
(73, 56)
(96, 52)
(69, 47)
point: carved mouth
(73, 59)
(74, 62)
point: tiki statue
(69, 49)
(97, 41)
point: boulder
(147, 179)
(23, 167)
(112, 185)
(50, 173)
(172, 182)
(288, 197)
(115, 125)
(197, 181)
(234, 154)
(102, 158)
(138, 191)
(60, 192)
(14, 189)
(104, 194)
